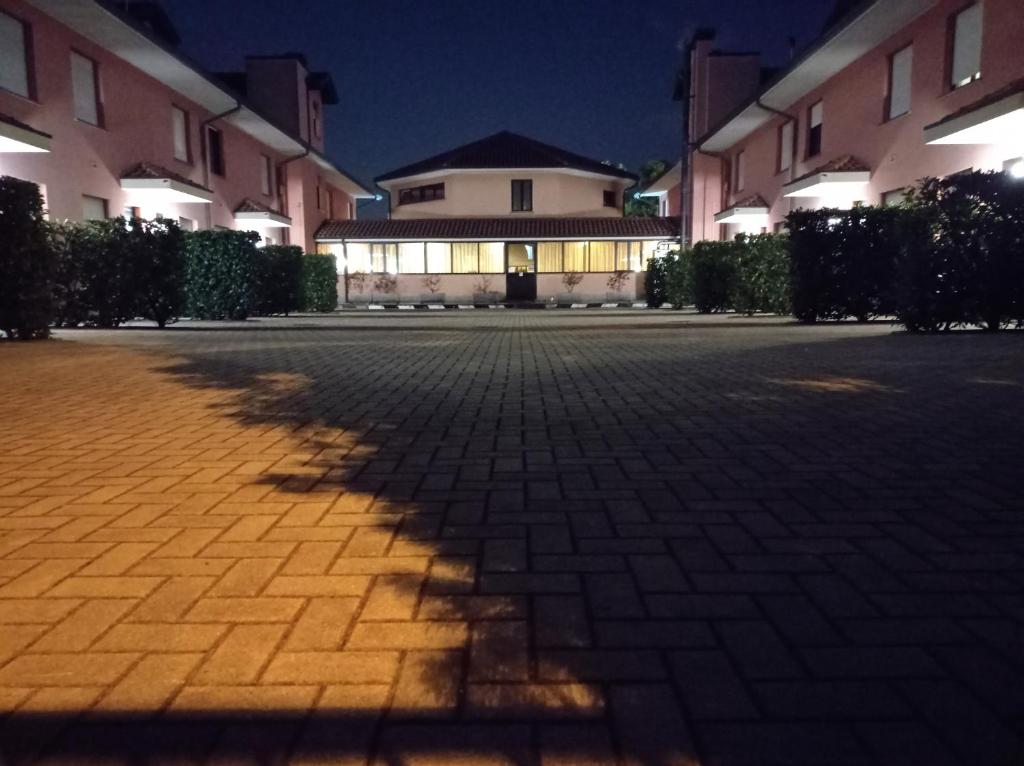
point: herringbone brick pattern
(525, 538)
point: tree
(646, 207)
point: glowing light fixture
(744, 215)
(164, 190)
(1017, 169)
(267, 220)
(1001, 122)
(21, 139)
(845, 183)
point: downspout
(206, 152)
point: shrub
(221, 274)
(27, 263)
(319, 283)
(96, 272)
(654, 282)
(281, 279)
(762, 274)
(679, 278)
(714, 275)
(157, 252)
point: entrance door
(521, 271)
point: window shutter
(13, 59)
(817, 114)
(900, 75)
(967, 46)
(83, 80)
(179, 124)
(786, 147)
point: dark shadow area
(807, 553)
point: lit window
(93, 208)
(602, 256)
(522, 196)
(85, 84)
(549, 257)
(786, 146)
(815, 122)
(575, 256)
(439, 258)
(465, 258)
(14, 60)
(965, 67)
(492, 257)
(410, 258)
(179, 126)
(900, 69)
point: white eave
(741, 214)
(873, 26)
(668, 180)
(91, 20)
(821, 184)
(996, 123)
(21, 139)
(388, 183)
(168, 189)
(264, 219)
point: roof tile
(508, 228)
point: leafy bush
(654, 282)
(157, 252)
(27, 263)
(679, 278)
(222, 274)
(964, 253)
(713, 272)
(280, 279)
(97, 280)
(762, 274)
(844, 262)
(319, 283)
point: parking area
(522, 537)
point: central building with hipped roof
(503, 219)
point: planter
(383, 297)
(429, 298)
(617, 298)
(485, 298)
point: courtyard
(512, 537)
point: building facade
(505, 218)
(893, 92)
(99, 109)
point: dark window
(611, 199)
(421, 194)
(215, 150)
(965, 32)
(522, 196)
(814, 129)
(15, 56)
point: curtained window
(602, 256)
(492, 257)
(549, 257)
(575, 256)
(410, 258)
(465, 258)
(439, 258)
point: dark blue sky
(416, 77)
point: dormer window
(427, 193)
(522, 196)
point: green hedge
(157, 251)
(280, 279)
(714, 275)
(654, 282)
(222, 274)
(761, 281)
(27, 263)
(679, 278)
(319, 283)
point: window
(85, 84)
(465, 258)
(786, 146)
(179, 127)
(410, 257)
(965, 62)
(358, 257)
(266, 175)
(215, 150)
(741, 171)
(522, 196)
(131, 212)
(602, 256)
(15, 46)
(93, 208)
(492, 257)
(416, 194)
(186, 224)
(384, 258)
(574, 257)
(814, 127)
(439, 258)
(549, 257)
(894, 197)
(611, 199)
(900, 68)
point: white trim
(671, 178)
(269, 220)
(740, 214)
(387, 184)
(820, 184)
(169, 189)
(995, 123)
(16, 139)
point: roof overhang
(266, 220)
(669, 179)
(388, 183)
(742, 215)
(595, 238)
(873, 24)
(827, 184)
(166, 190)
(101, 25)
(17, 138)
(997, 123)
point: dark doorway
(521, 272)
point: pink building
(895, 91)
(98, 108)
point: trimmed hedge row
(104, 273)
(952, 256)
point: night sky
(419, 77)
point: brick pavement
(526, 538)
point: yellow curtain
(410, 258)
(492, 257)
(575, 258)
(549, 257)
(464, 258)
(622, 262)
(602, 256)
(378, 259)
(358, 257)
(439, 258)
